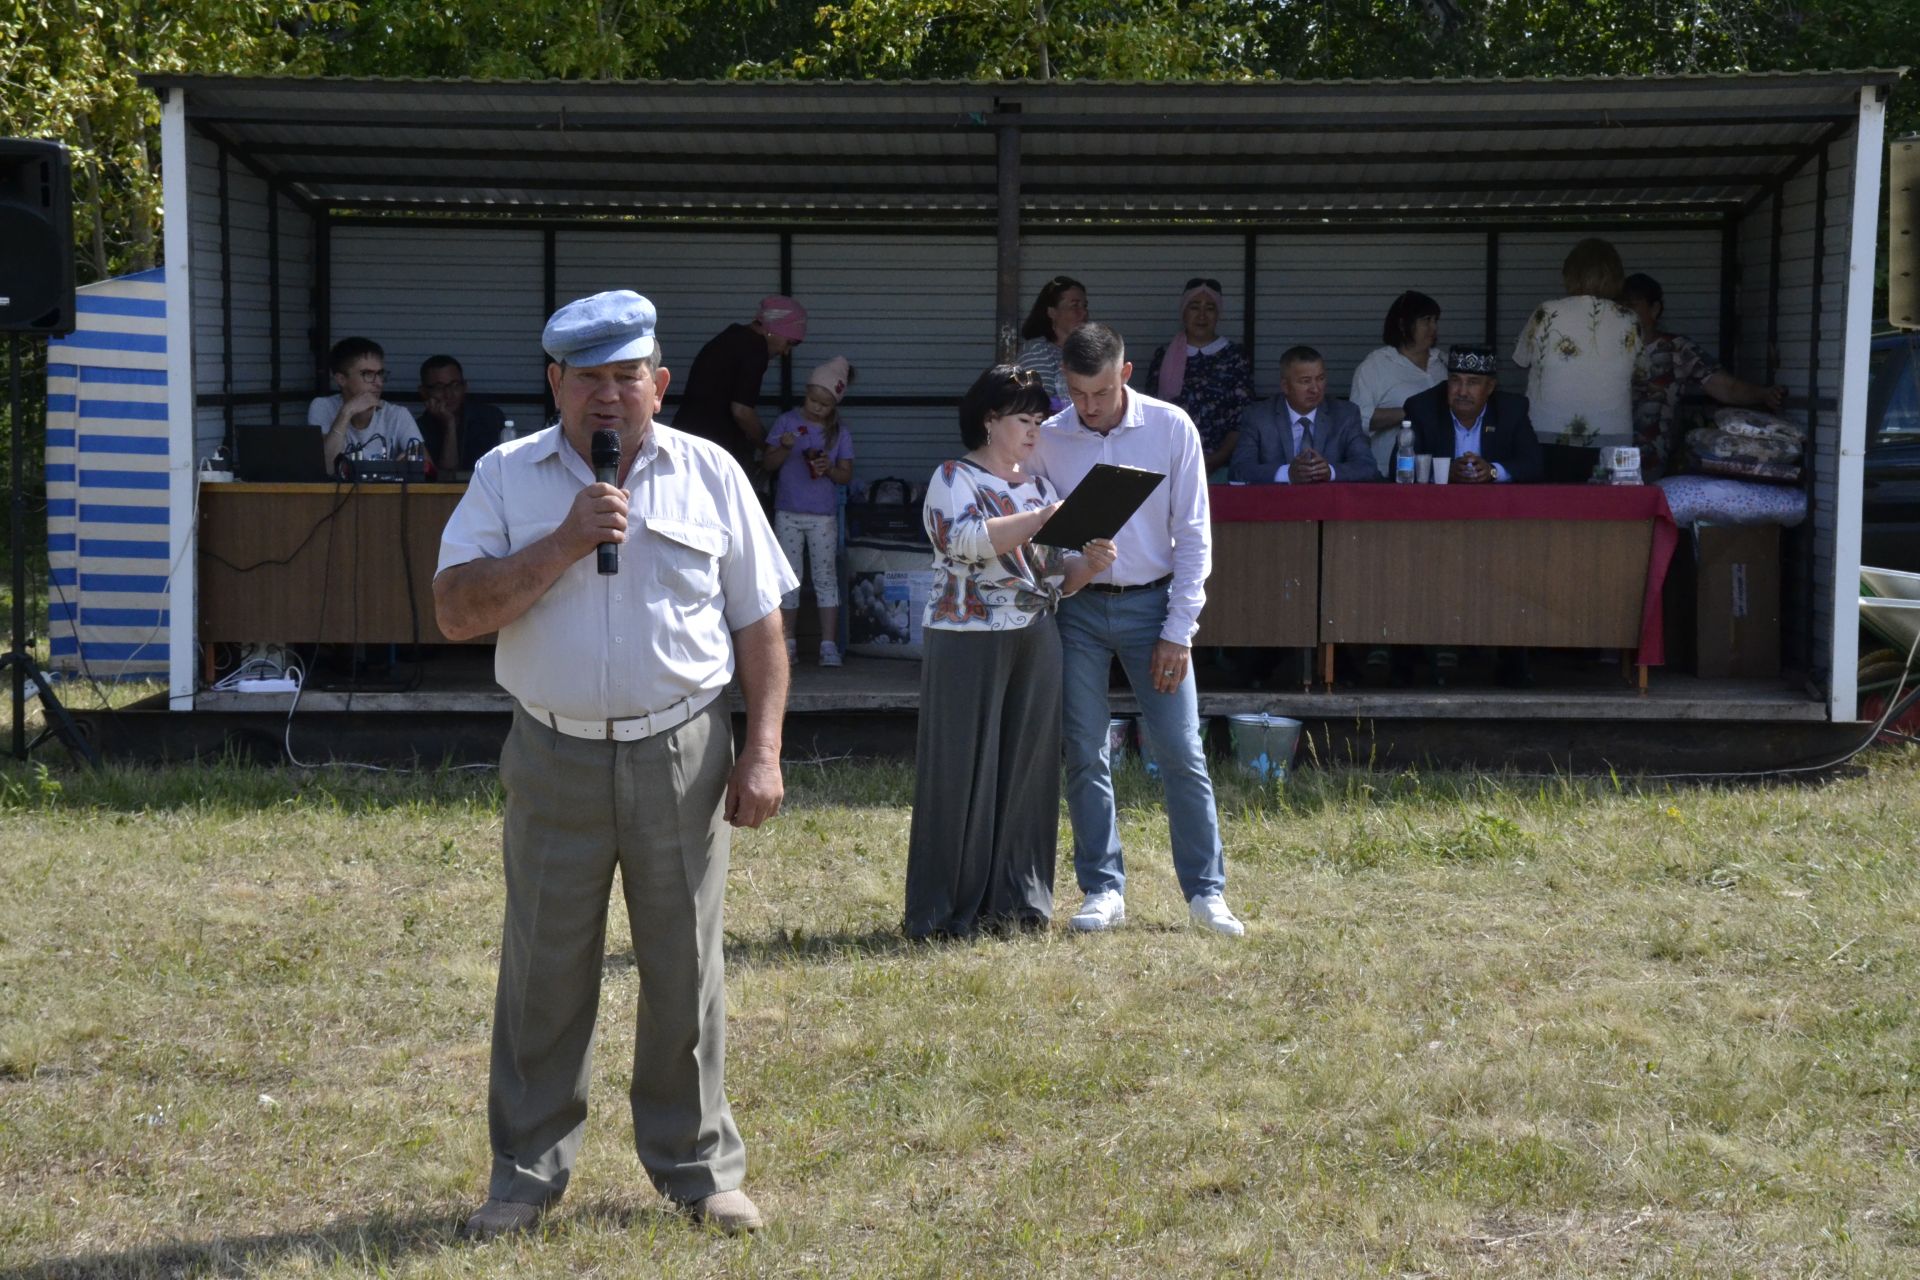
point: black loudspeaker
(1903, 233)
(36, 238)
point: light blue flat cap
(608, 327)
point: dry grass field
(1480, 1026)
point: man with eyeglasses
(357, 421)
(457, 430)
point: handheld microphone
(606, 469)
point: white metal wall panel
(914, 313)
(904, 442)
(1752, 289)
(297, 320)
(699, 282)
(1686, 263)
(1807, 605)
(475, 294)
(1331, 292)
(249, 280)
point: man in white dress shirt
(620, 755)
(1144, 610)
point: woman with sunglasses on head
(1057, 312)
(1208, 376)
(986, 805)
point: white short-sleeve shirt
(387, 433)
(700, 562)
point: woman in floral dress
(986, 804)
(1208, 376)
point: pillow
(1718, 500)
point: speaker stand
(18, 660)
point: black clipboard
(1099, 505)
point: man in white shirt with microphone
(620, 754)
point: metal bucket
(1263, 745)
(1147, 757)
(1119, 738)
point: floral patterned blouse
(975, 589)
(1217, 386)
(1669, 366)
(1579, 354)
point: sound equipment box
(36, 238)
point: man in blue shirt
(1486, 432)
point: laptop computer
(284, 454)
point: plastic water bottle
(507, 433)
(1403, 455)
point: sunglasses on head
(1197, 281)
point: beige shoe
(731, 1211)
(501, 1218)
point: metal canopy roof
(1111, 151)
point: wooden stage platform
(1570, 688)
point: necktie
(1300, 430)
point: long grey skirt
(986, 800)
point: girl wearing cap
(1057, 312)
(1208, 376)
(811, 452)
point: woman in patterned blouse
(986, 805)
(1203, 373)
(1579, 353)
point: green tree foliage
(1033, 39)
(68, 71)
(68, 67)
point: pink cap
(783, 316)
(834, 375)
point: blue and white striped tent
(109, 545)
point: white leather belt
(627, 728)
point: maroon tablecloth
(1323, 502)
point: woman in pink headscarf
(1203, 373)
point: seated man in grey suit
(1300, 436)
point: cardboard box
(1736, 600)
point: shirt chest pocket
(686, 557)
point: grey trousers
(986, 799)
(575, 810)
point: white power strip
(279, 685)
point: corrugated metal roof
(1088, 149)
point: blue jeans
(1096, 627)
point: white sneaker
(1102, 910)
(1210, 909)
(829, 654)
